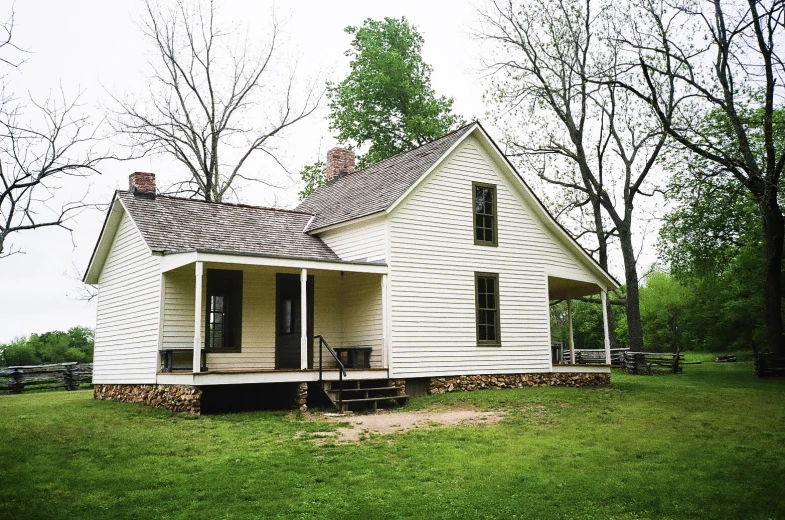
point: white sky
(94, 45)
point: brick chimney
(339, 161)
(142, 183)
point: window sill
(492, 345)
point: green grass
(706, 444)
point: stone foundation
(177, 398)
(399, 383)
(301, 396)
(441, 385)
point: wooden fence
(652, 362)
(584, 356)
(70, 376)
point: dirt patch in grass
(359, 427)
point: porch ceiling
(563, 288)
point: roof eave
(101, 249)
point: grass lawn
(706, 444)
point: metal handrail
(341, 373)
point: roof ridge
(230, 204)
(448, 134)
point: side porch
(570, 359)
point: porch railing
(342, 369)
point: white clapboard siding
(433, 260)
(126, 329)
(362, 314)
(362, 241)
(327, 322)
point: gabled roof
(377, 187)
(175, 225)
(385, 185)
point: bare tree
(722, 58)
(40, 147)
(552, 60)
(214, 101)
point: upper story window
(485, 214)
(224, 310)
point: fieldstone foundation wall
(441, 385)
(301, 396)
(400, 383)
(177, 398)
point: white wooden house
(428, 271)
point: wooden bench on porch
(168, 355)
(354, 357)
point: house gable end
(106, 239)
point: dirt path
(385, 423)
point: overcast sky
(95, 46)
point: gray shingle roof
(175, 225)
(375, 188)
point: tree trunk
(634, 325)
(602, 241)
(773, 232)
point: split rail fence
(70, 376)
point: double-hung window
(487, 306)
(485, 214)
(223, 325)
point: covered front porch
(565, 289)
(238, 319)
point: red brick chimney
(339, 161)
(141, 182)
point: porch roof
(172, 261)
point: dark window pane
(490, 284)
(489, 235)
(287, 317)
(481, 285)
(478, 200)
(491, 333)
(490, 301)
(482, 333)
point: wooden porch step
(369, 389)
(362, 394)
(380, 398)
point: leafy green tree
(386, 101)
(713, 242)
(665, 305)
(313, 175)
(50, 347)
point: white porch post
(385, 321)
(304, 319)
(604, 298)
(569, 324)
(198, 319)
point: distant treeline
(709, 314)
(49, 347)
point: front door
(288, 321)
